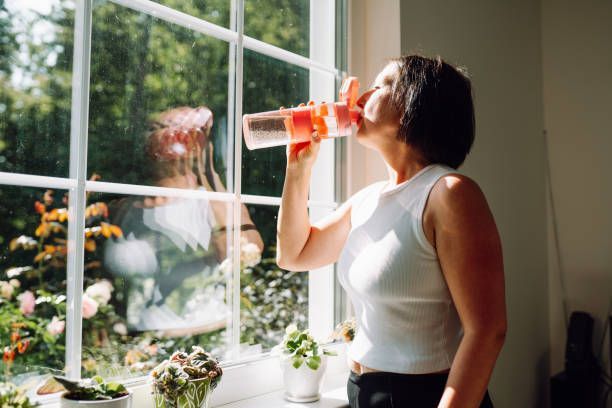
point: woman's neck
(402, 163)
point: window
(124, 182)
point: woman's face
(380, 120)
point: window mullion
(235, 282)
(78, 172)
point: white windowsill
(333, 395)
(257, 384)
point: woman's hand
(302, 156)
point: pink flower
(56, 326)
(100, 291)
(28, 302)
(90, 307)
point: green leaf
(115, 388)
(313, 362)
(297, 361)
(98, 379)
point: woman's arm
(300, 245)
(470, 253)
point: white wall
(374, 37)
(577, 66)
(499, 43)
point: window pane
(159, 101)
(268, 85)
(213, 11)
(33, 233)
(157, 283)
(284, 23)
(35, 86)
(271, 298)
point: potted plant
(186, 380)
(93, 392)
(13, 397)
(303, 362)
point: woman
(173, 243)
(419, 255)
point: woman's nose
(361, 101)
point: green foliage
(91, 389)
(271, 299)
(140, 66)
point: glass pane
(213, 11)
(159, 102)
(157, 284)
(33, 233)
(271, 298)
(283, 23)
(36, 40)
(268, 85)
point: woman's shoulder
(455, 193)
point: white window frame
(238, 381)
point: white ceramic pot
(122, 402)
(302, 384)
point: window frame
(324, 65)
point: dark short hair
(437, 111)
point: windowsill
(244, 386)
(333, 395)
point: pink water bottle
(295, 125)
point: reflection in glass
(271, 298)
(166, 273)
(268, 85)
(33, 234)
(213, 11)
(141, 66)
(164, 282)
(283, 23)
(35, 86)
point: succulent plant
(90, 389)
(171, 378)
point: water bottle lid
(349, 91)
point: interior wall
(577, 91)
(370, 46)
(499, 43)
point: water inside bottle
(268, 131)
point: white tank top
(406, 320)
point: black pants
(392, 390)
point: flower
(6, 289)
(290, 329)
(15, 283)
(100, 291)
(28, 302)
(226, 267)
(345, 330)
(56, 326)
(90, 307)
(250, 254)
(120, 329)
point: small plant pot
(302, 384)
(197, 395)
(121, 402)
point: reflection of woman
(170, 241)
(419, 255)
